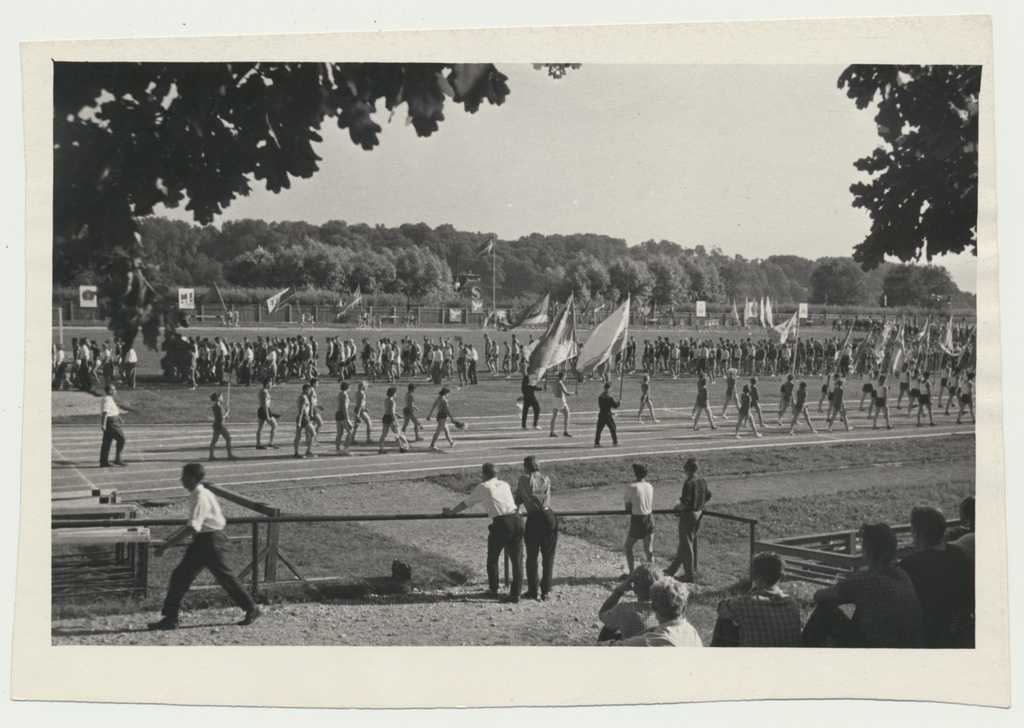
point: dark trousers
(505, 534)
(206, 550)
(528, 404)
(129, 375)
(726, 634)
(828, 621)
(689, 524)
(541, 538)
(472, 372)
(112, 433)
(604, 421)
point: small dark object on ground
(401, 570)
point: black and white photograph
(361, 350)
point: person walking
(530, 400)
(533, 494)
(110, 425)
(443, 414)
(208, 549)
(561, 406)
(390, 425)
(605, 417)
(220, 414)
(265, 416)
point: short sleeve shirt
(109, 408)
(640, 496)
(495, 496)
(204, 514)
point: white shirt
(132, 357)
(495, 496)
(640, 496)
(204, 514)
(108, 407)
(677, 633)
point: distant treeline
(415, 264)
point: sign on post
(803, 311)
(455, 315)
(187, 298)
(702, 310)
(476, 306)
(87, 297)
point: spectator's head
(927, 525)
(967, 512)
(668, 598)
(766, 569)
(879, 543)
(530, 463)
(690, 466)
(640, 471)
(643, 579)
(489, 471)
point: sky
(756, 160)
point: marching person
(361, 415)
(443, 413)
(389, 424)
(343, 424)
(743, 416)
(302, 423)
(409, 412)
(924, 399)
(110, 425)
(837, 407)
(220, 413)
(266, 417)
(800, 408)
(505, 532)
(533, 493)
(730, 390)
(882, 402)
(967, 398)
(645, 400)
(702, 404)
(561, 406)
(530, 400)
(208, 549)
(605, 417)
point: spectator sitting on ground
(962, 536)
(625, 620)
(668, 597)
(887, 614)
(943, 577)
(763, 617)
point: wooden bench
(99, 561)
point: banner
(476, 306)
(608, 339)
(803, 312)
(187, 298)
(279, 299)
(702, 310)
(486, 249)
(780, 334)
(558, 344)
(87, 296)
(455, 315)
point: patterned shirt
(630, 618)
(887, 607)
(534, 492)
(695, 494)
(766, 618)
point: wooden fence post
(255, 583)
(273, 534)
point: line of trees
(422, 264)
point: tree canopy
(923, 195)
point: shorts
(442, 416)
(965, 399)
(341, 416)
(904, 386)
(388, 420)
(641, 526)
(302, 424)
(915, 392)
(702, 400)
(943, 382)
(867, 388)
(924, 399)
(831, 395)
(262, 414)
(879, 402)
(824, 388)
(407, 411)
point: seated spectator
(962, 536)
(944, 580)
(668, 597)
(622, 621)
(763, 617)
(887, 612)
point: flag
(883, 341)
(768, 312)
(486, 249)
(535, 315)
(746, 311)
(921, 343)
(607, 340)
(780, 334)
(946, 342)
(761, 312)
(735, 314)
(357, 296)
(968, 359)
(863, 349)
(841, 349)
(280, 299)
(558, 343)
(897, 352)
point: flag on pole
(863, 349)
(357, 296)
(780, 334)
(761, 312)
(846, 343)
(608, 339)
(487, 248)
(883, 342)
(968, 359)
(558, 344)
(735, 313)
(535, 315)
(768, 320)
(946, 342)
(280, 299)
(897, 352)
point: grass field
(791, 485)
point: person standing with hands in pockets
(691, 510)
(110, 425)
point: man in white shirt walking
(505, 532)
(110, 424)
(208, 548)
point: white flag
(780, 334)
(608, 339)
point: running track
(155, 453)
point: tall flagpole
(494, 295)
(625, 343)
